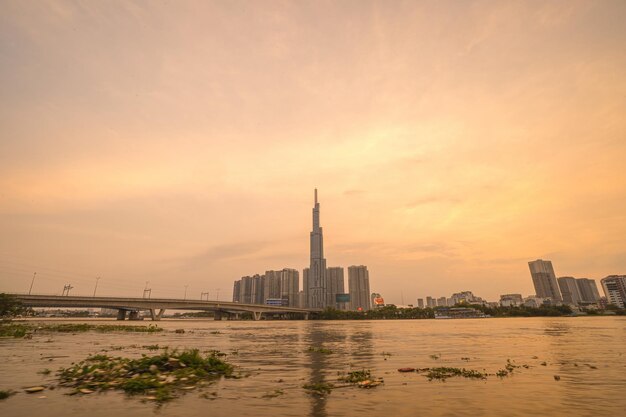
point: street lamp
(185, 297)
(96, 287)
(31, 283)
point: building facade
(615, 289)
(544, 280)
(588, 290)
(420, 302)
(569, 290)
(359, 287)
(334, 285)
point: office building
(615, 290)
(317, 271)
(359, 287)
(544, 280)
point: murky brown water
(278, 350)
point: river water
(587, 353)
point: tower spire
(316, 196)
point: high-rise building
(544, 280)
(317, 270)
(420, 302)
(569, 290)
(588, 291)
(290, 286)
(430, 302)
(359, 287)
(271, 288)
(442, 302)
(615, 289)
(334, 285)
(274, 285)
(305, 287)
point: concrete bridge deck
(156, 306)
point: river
(586, 353)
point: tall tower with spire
(317, 271)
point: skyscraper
(544, 279)
(569, 290)
(317, 271)
(359, 287)
(420, 302)
(615, 289)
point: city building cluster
(576, 292)
(322, 286)
(580, 293)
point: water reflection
(356, 342)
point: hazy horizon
(180, 143)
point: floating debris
(435, 356)
(31, 390)
(160, 376)
(557, 378)
(406, 369)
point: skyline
(453, 143)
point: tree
(9, 306)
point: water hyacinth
(159, 377)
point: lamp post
(185, 296)
(96, 287)
(31, 283)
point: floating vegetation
(362, 379)
(181, 331)
(320, 350)
(502, 373)
(557, 378)
(153, 347)
(26, 330)
(465, 359)
(45, 371)
(386, 353)
(216, 332)
(159, 378)
(510, 366)
(543, 364)
(319, 388)
(274, 394)
(5, 394)
(435, 356)
(407, 369)
(443, 373)
(356, 376)
(13, 330)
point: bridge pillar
(217, 315)
(121, 314)
(306, 316)
(257, 315)
(133, 315)
(156, 316)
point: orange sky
(180, 142)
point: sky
(175, 145)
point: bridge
(157, 306)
